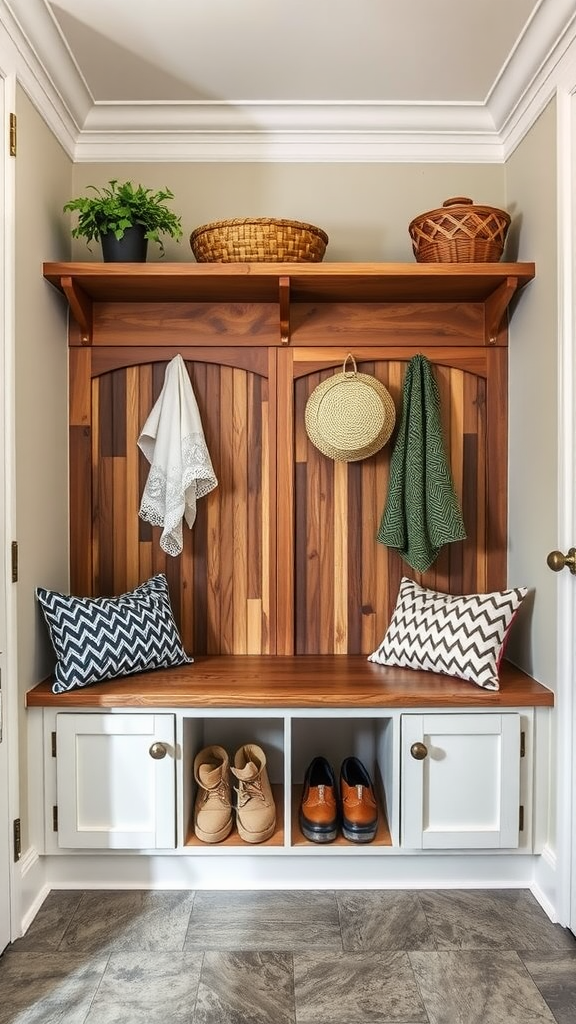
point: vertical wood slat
(270, 563)
(354, 559)
(311, 551)
(213, 512)
(226, 539)
(326, 553)
(496, 458)
(80, 446)
(285, 503)
(267, 514)
(193, 563)
(132, 506)
(340, 527)
(240, 500)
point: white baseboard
(434, 871)
(33, 887)
(544, 886)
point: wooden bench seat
(323, 681)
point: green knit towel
(422, 512)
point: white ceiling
(300, 77)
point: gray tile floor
(350, 957)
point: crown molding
(288, 132)
(19, 58)
(289, 147)
(517, 100)
(318, 132)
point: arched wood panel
(222, 585)
(345, 581)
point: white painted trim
(9, 656)
(33, 888)
(545, 883)
(303, 118)
(566, 669)
(404, 871)
(296, 147)
(20, 59)
(546, 37)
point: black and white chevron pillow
(458, 636)
(97, 638)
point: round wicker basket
(459, 232)
(258, 240)
(350, 415)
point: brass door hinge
(12, 135)
(54, 819)
(17, 836)
(521, 819)
(53, 743)
(522, 744)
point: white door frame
(9, 797)
(566, 629)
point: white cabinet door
(112, 792)
(460, 781)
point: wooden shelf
(285, 284)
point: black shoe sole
(356, 834)
(318, 833)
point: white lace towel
(172, 440)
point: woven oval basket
(350, 415)
(258, 240)
(459, 232)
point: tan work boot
(213, 807)
(255, 810)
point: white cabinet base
(461, 781)
(112, 793)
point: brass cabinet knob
(557, 561)
(419, 751)
(158, 751)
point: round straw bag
(350, 415)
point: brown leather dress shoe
(359, 807)
(318, 815)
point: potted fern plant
(124, 217)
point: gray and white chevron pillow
(460, 636)
(98, 638)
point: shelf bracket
(80, 306)
(496, 305)
(284, 302)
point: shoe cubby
(373, 740)
(231, 733)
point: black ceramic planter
(131, 248)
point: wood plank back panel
(346, 582)
(283, 556)
(220, 585)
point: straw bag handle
(349, 373)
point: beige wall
(533, 404)
(364, 208)
(43, 174)
(533, 487)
